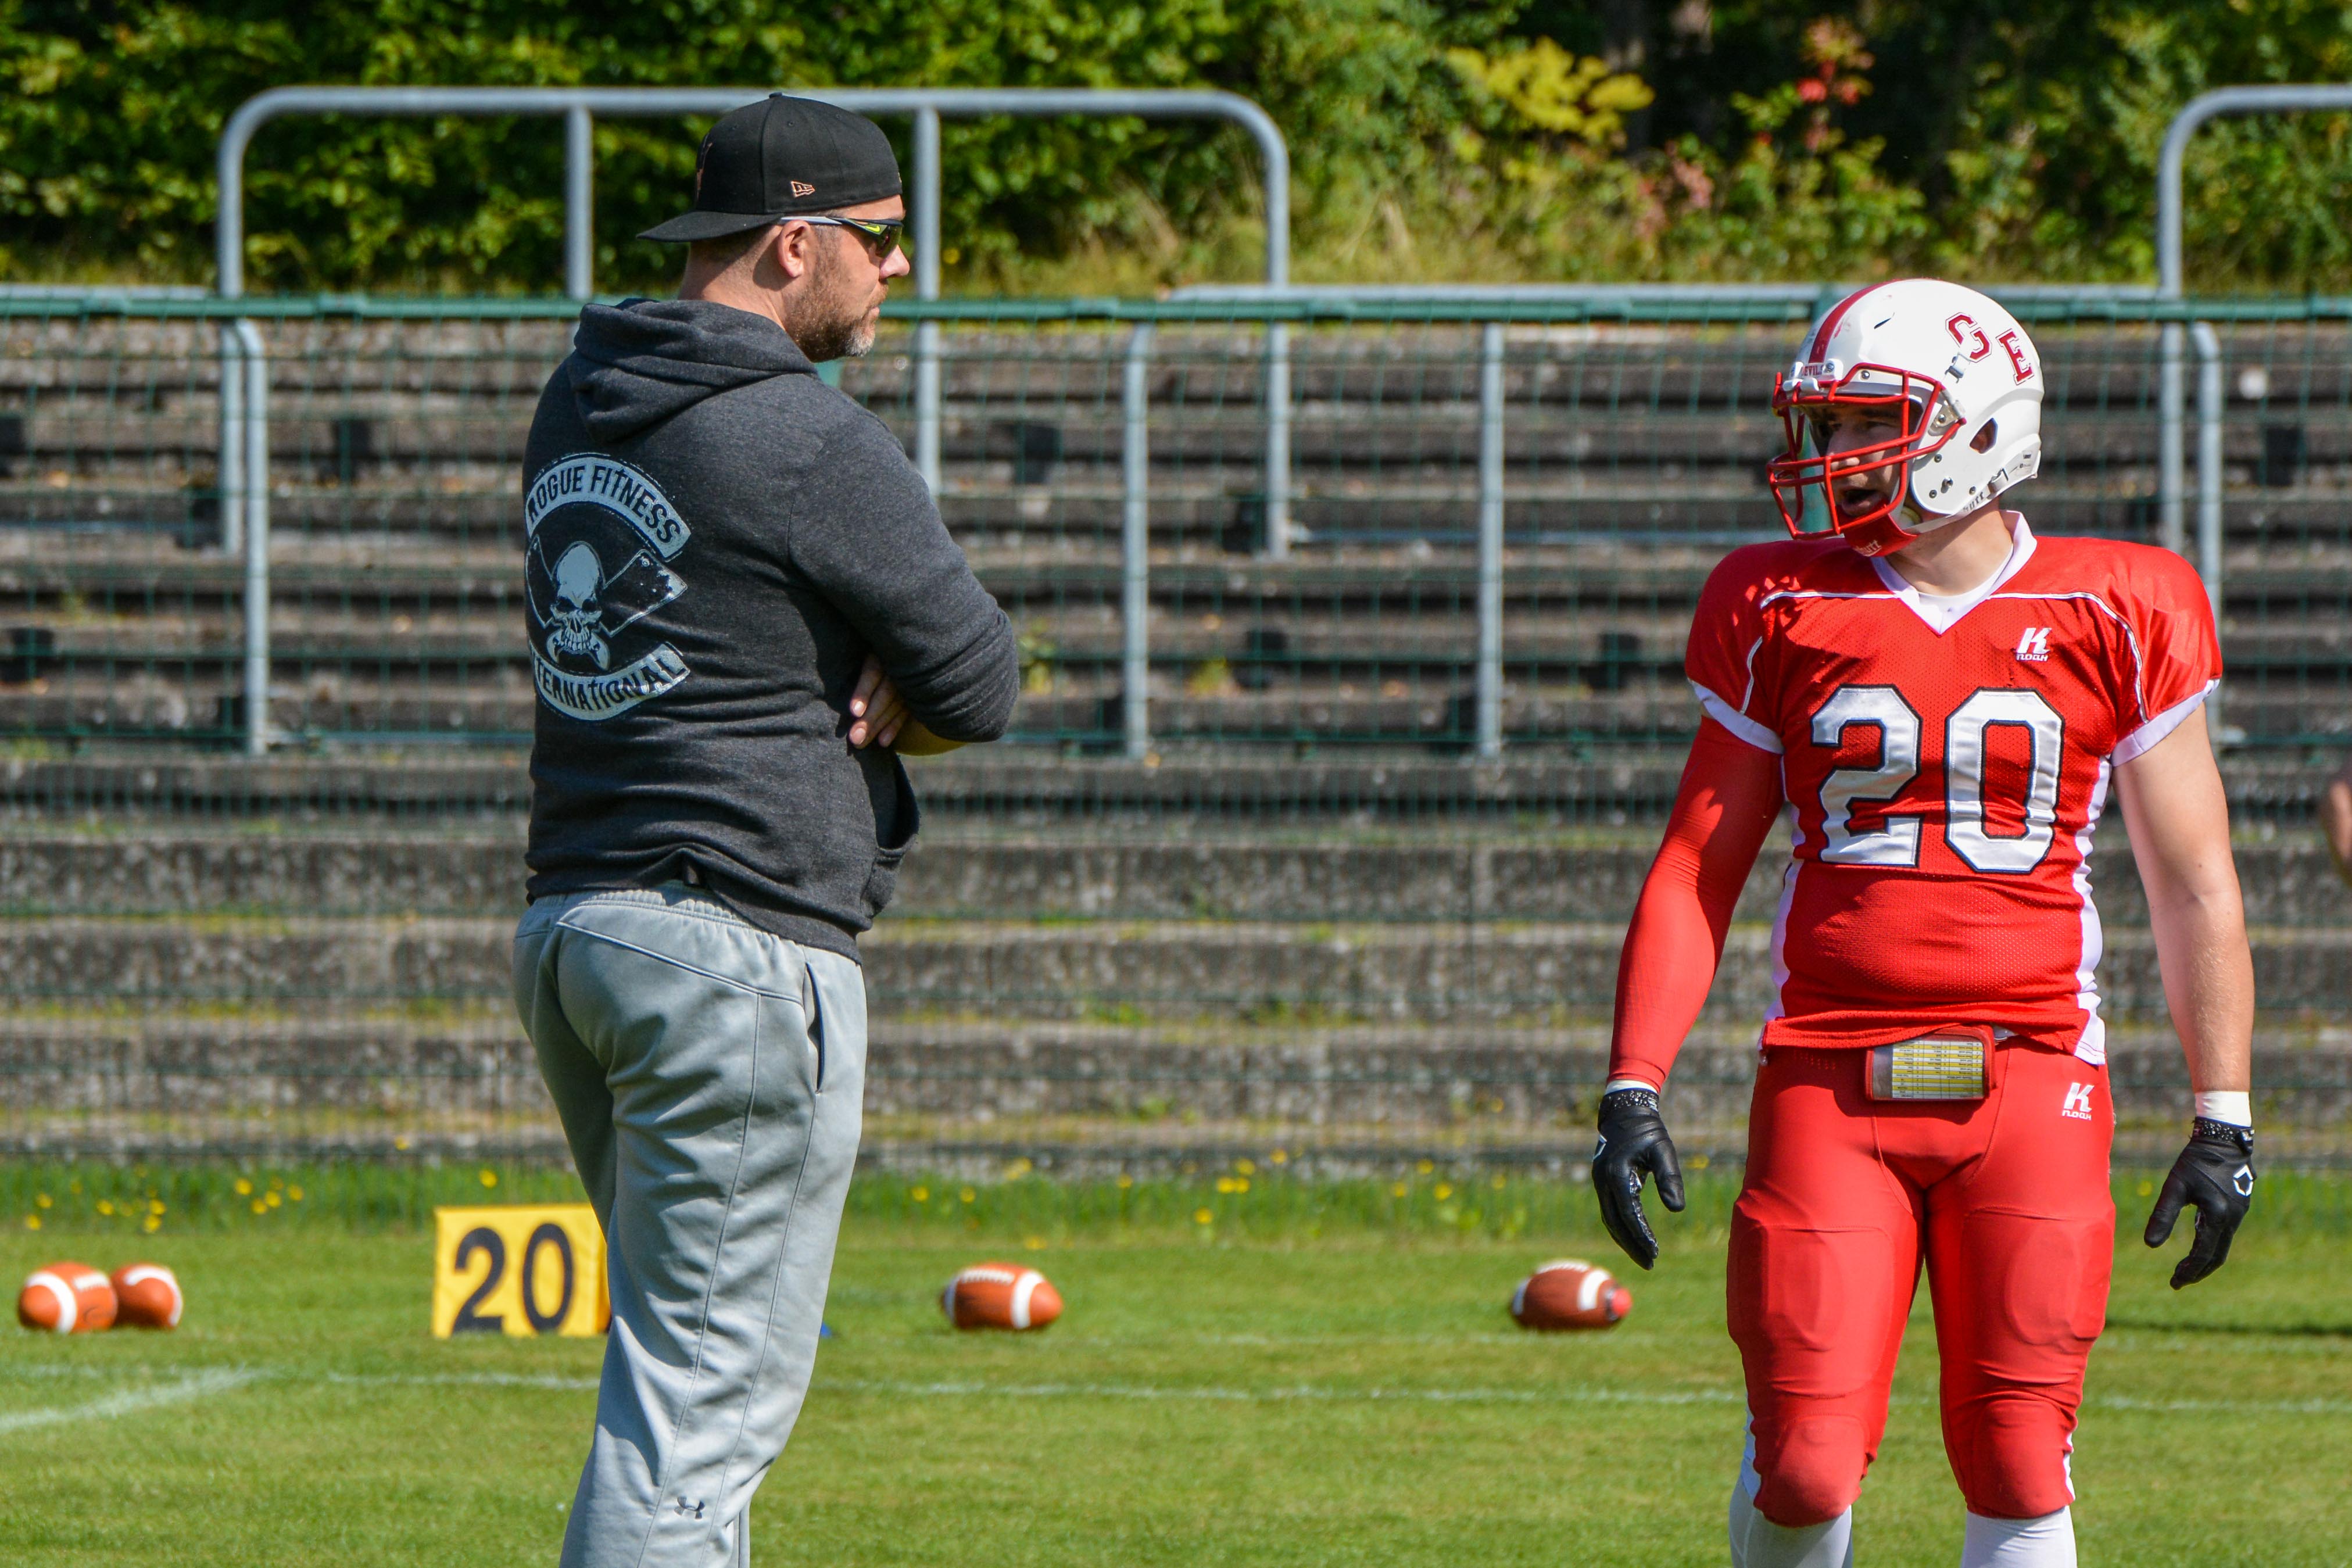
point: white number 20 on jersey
(1897, 841)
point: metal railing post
(255, 441)
(927, 228)
(1134, 545)
(232, 438)
(2209, 459)
(579, 203)
(1277, 439)
(2208, 498)
(2172, 445)
(1490, 541)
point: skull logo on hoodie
(602, 536)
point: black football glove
(1633, 1141)
(2215, 1175)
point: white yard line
(456, 1380)
(1312, 1393)
(222, 1380)
(1296, 1394)
(195, 1385)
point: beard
(832, 320)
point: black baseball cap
(782, 157)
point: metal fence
(1324, 851)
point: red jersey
(1945, 761)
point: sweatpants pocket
(813, 1012)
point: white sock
(1757, 1542)
(2044, 1543)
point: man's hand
(2214, 1176)
(876, 712)
(1633, 1141)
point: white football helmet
(1963, 385)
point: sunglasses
(882, 236)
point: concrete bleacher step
(353, 702)
(1430, 971)
(960, 873)
(1378, 437)
(73, 360)
(129, 571)
(337, 1081)
(996, 788)
(1213, 505)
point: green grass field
(1325, 1383)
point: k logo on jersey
(2034, 646)
(2078, 1102)
(602, 536)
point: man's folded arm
(871, 540)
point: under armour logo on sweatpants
(689, 1509)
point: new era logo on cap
(741, 180)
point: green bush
(1432, 139)
(107, 131)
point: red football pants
(2004, 1199)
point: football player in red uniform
(1941, 700)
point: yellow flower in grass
(32, 1222)
(1246, 1167)
(921, 1194)
(1397, 1191)
(968, 1196)
(151, 1225)
(274, 1200)
(105, 1207)
(244, 1188)
(293, 1195)
(260, 1207)
(1426, 1166)
(1125, 1180)
(489, 1178)
(43, 1199)
(1443, 1192)
(1202, 1216)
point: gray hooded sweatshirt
(714, 541)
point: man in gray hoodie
(742, 608)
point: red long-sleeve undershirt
(1730, 792)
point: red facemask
(1807, 405)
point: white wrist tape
(1614, 1084)
(2234, 1106)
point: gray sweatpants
(709, 1077)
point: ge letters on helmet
(602, 536)
(1955, 385)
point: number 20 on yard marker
(519, 1270)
